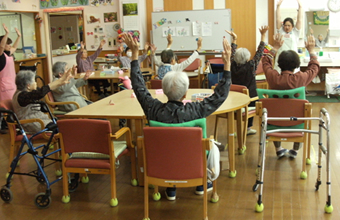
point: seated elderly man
(69, 92)
(175, 86)
(288, 61)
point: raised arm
(192, 58)
(153, 53)
(233, 44)
(257, 57)
(4, 40)
(100, 48)
(327, 36)
(80, 51)
(299, 17)
(16, 43)
(267, 64)
(278, 15)
(169, 39)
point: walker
(42, 200)
(324, 124)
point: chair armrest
(65, 103)
(254, 98)
(84, 96)
(127, 133)
(26, 121)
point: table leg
(240, 133)
(231, 141)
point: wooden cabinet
(41, 67)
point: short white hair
(242, 55)
(175, 85)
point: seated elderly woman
(243, 70)
(69, 92)
(27, 93)
(175, 85)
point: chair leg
(146, 199)
(205, 202)
(57, 157)
(214, 196)
(134, 181)
(216, 123)
(66, 195)
(114, 200)
(308, 160)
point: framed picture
(110, 17)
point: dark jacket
(174, 111)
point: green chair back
(194, 123)
(297, 93)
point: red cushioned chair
(166, 151)
(88, 146)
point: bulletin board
(187, 26)
(11, 21)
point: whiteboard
(11, 21)
(187, 26)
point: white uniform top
(290, 43)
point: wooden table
(112, 77)
(127, 107)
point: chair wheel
(6, 194)
(42, 201)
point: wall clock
(334, 5)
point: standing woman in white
(290, 32)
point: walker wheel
(40, 178)
(73, 185)
(259, 208)
(328, 209)
(114, 202)
(42, 201)
(6, 194)
(255, 187)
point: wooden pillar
(271, 24)
(208, 4)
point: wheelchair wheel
(73, 185)
(6, 194)
(40, 178)
(42, 201)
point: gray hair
(58, 67)
(242, 55)
(23, 79)
(175, 85)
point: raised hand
(153, 48)
(87, 74)
(74, 70)
(133, 44)
(82, 45)
(226, 54)
(65, 79)
(169, 38)
(146, 46)
(278, 41)
(311, 31)
(5, 28)
(263, 30)
(310, 44)
(279, 3)
(102, 42)
(232, 34)
(18, 32)
(199, 43)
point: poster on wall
(93, 18)
(130, 16)
(110, 17)
(62, 3)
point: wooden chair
(154, 84)
(247, 112)
(88, 146)
(194, 72)
(279, 107)
(167, 164)
(261, 81)
(50, 101)
(16, 138)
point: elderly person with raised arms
(243, 70)
(175, 86)
(69, 92)
(288, 61)
(27, 93)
